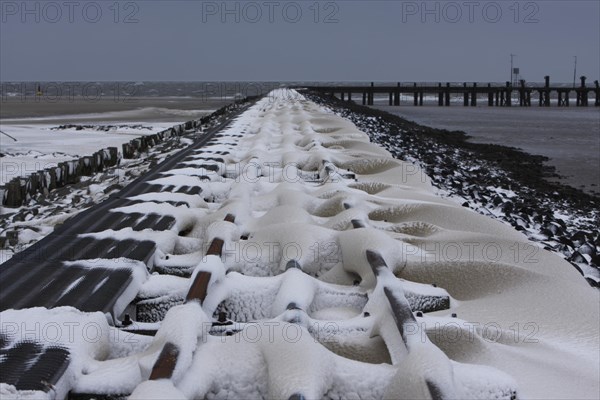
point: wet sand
(77, 110)
(569, 137)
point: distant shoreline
(15, 110)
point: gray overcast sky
(271, 41)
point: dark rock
(587, 248)
(112, 188)
(566, 241)
(19, 217)
(554, 228)
(592, 282)
(577, 267)
(564, 249)
(12, 237)
(578, 258)
(547, 233)
(579, 238)
(508, 207)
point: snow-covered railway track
(290, 258)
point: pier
(494, 95)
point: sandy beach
(569, 137)
(107, 109)
(38, 144)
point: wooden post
(563, 101)
(508, 94)
(522, 92)
(113, 156)
(416, 95)
(342, 97)
(349, 96)
(33, 184)
(371, 94)
(547, 91)
(75, 171)
(85, 165)
(597, 102)
(440, 95)
(62, 175)
(51, 181)
(99, 157)
(474, 95)
(144, 141)
(490, 95)
(584, 92)
(391, 100)
(397, 95)
(559, 96)
(42, 181)
(447, 94)
(364, 102)
(128, 151)
(23, 189)
(12, 194)
(465, 95)
(421, 98)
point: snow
(403, 212)
(39, 147)
(160, 285)
(46, 211)
(310, 315)
(86, 335)
(157, 390)
(9, 392)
